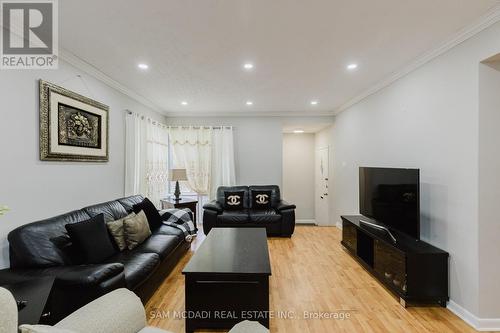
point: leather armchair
(278, 221)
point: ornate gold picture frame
(72, 127)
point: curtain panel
(207, 154)
(192, 149)
(146, 157)
(222, 169)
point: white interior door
(322, 206)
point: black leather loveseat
(44, 248)
(278, 218)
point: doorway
(307, 171)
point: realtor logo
(29, 34)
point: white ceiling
(300, 48)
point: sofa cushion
(112, 210)
(92, 239)
(162, 245)
(261, 199)
(222, 189)
(264, 216)
(44, 243)
(136, 229)
(137, 266)
(117, 230)
(169, 230)
(129, 202)
(233, 200)
(233, 216)
(154, 218)
(275, 193)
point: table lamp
(177, 175)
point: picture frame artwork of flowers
(72, 127)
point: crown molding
(487, 20)
(247, 114)
(84, 66)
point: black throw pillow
(233, 200)
(91, 239)
(154, 218)
(261, 199)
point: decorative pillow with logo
(261, 199)
(233, 200)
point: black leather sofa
(44, 248)
(279, 220)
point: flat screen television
(391, 197)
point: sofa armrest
(83, 275)
(213, 205)
(283, 205)
(75, 275)
(119, 311)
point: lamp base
(177, 192)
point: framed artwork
(72, 127)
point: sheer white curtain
(207, 154)
(146, 157)
(192, 149)
(222, 169)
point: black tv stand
(379, 227)
(415, 271)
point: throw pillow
(261, 199)
(91, 239)
(233, 200)
(154, 218)
(136, 229)
(116, 230)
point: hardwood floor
(313, 275)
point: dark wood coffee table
(227, 279)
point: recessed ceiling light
(248, 66)
(143, 66)
(352, 66)
(249, 103)
(314, 102)
(298, 131)
(184, 103)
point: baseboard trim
(479, 324)
(338, 224)
(305, 221)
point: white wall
(426, 120)
(34, 189)
(489, 191)
(298, 173)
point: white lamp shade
(177, 174)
